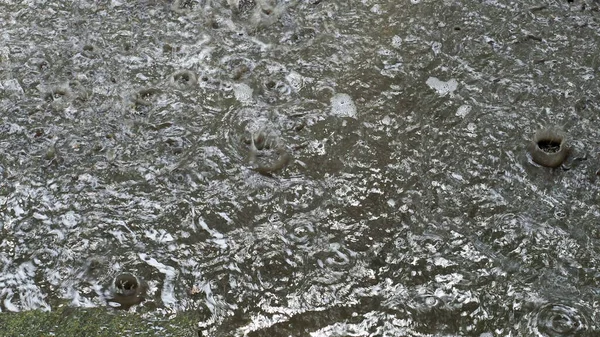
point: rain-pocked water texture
(304, 168)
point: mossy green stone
(104, 321)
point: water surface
(411, 207)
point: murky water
(410, 208)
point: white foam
(463, 110)
(295, 80)
(8, 303)
(243, 92)
(396, 41)
(342, 105)
(11, 85)
(168, 291)
(441, 87)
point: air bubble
(128, 290)
(184, 6)
(38, 63)
(183, 79)
(560, 214)
(57, 93)
(549, 147)
(425, 303)
(167, 48)
(89, 51)
(300, 35)
(144, 96)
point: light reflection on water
(410, 207)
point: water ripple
(559, 320)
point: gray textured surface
(410, 208)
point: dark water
(411, 207)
